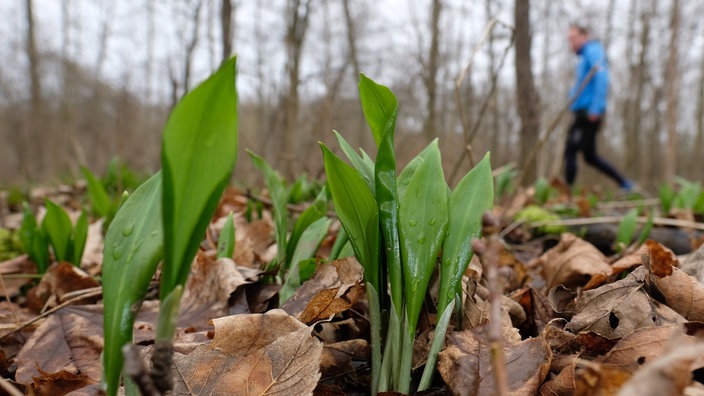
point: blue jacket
(593, 97)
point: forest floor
(575, 321)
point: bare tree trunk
(609, 25)
(23, 139)
(699, 115)
(105, 33)
(351, 38)
(149, 64)
(297, 16)
(527, 97)
(431, 73)
(226, 25)
(671, 94)
(496, 136)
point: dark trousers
(582, 136)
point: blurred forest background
(82, 81)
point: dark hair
(580, 28)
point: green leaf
(340, 242)
(133, 247)
(379, 105)
(423, 218)
(99, 198)
(363, 165)
(58, 228)
(404, 178)
(226, 240)
(34, 241)
(436, 346)
(647, 228)
(199, 149)
(301, 266)
(80, 235)
(308, 217)
(356, 208)
(279, 198)
(380, 109)
(626, 229)
(473, 196)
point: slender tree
(527, 97)
(672, 81)
(431, 72)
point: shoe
(628, 186)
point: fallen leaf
(617, 309)
(682, 292)
(571, 262)
(339, 357)
(465, 364)
(537, 310)
(60, 383)
(17, 265)
(92, 260)
(597, 379)
(640, 347)
(563, 384)
(329, 302)
(60, 278)
(694, 265)
(662, 259)
(73, 336)
(256, 354)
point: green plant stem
(438, 341)
(375, 329)
(168, 314)
(403, 384)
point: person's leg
(589, 133)
(574, 138)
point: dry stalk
(488, 250)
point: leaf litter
(575, 322)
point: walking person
(588, 107)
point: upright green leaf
(58, 228)
(199, 149)
(356, 208)
(80, 235)
(279, 198)
(306, 247)
(423, 218)
(133, 247)
(626, 229)
(472, 197)
(226, 240)
(363, 165)
(380, 109)
(314, 212)
(34, 241)
(99, 199)
(379, 105)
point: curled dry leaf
(271, 353)
(668, 375)
(339, 357)
(572, 262)
(694, 265)
(73, 336)
(465, 364)
(60, 279)
(662, 259)
(618, 309)
(598, 379)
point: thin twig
(488, 251)
(9, 388)
(7, 297)
(470, 133)
(617, 219)
(94, 293)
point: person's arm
(596, 58)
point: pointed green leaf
(473, 196)
(356, 208)
(226, 240)
(199, 149)
(80, 235)
(626, 229)
(647, 228)
(423, 218)
(58, 228)
(99, 198)
(363, 165)
(300, 262)
(34, 240)
(279, 199)
(133, 247)
(308, 217)
(379, 105)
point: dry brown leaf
(465, 364)
(59, 279)
(60, 383)
(618, 309)
(597, 379)
(271, 353)
(639, 348)
(683, 293)
(571, 262)
(536, 307)
(69, 340)
(17, 265)
(252, 240)
(662, 259)
(338, 357)
(562, 384)
(330, 283)
(668, 375)
(92, 260)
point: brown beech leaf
(69, 341)
(618, 309)
(60, 278)
(563, 383)
(662, 259)
(465, 364)
(252, 240)
(536, 307)
(667, 375)
(60, 383)
(571, 262)
(683, 293)
(256, 354)
(694, 265)
(332, 289)
(338, 357)
(17, 265)
(598, 379)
